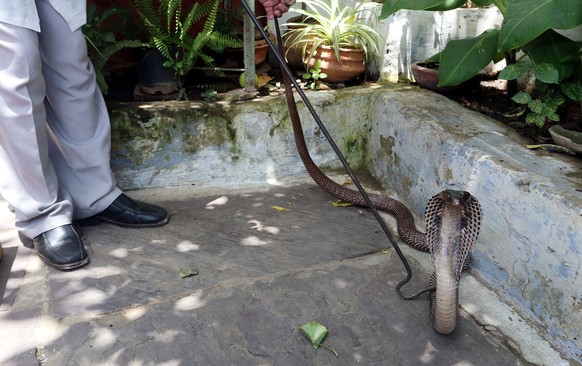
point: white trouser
(54, 127)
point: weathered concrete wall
(221, 143)
(416, 143)
(531, 240)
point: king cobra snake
(453, 220)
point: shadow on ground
(268, 261)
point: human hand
(276, 8)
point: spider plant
(327, 23)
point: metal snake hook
(279, 55)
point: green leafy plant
(553, 92)
(100, 33)
(313, 75)
(209, 95)
(524, 21)
(170, 30)
(328, 23)
(542, 109)
(528, 26)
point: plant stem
(510, 58)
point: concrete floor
(262, 273)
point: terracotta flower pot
(352, 63)
(262, 48)
(426, 74)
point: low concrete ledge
(416, 143)
(229, 143)
(531, 240)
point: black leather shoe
(61, 248)
(127, 212)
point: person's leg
(79, 128)
(28, 180)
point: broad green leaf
(546, 73)
(556, 102)
(447, 5)
(521, 98)
(572, 90)
(315, 332)
(553, 116)
(535, 119)
(536, 106)
(552, 47)
(464, 58)
(434, 58)
(527, 19)
(392, 6)
(514, 71)
(482, 2)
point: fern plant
(170, 30)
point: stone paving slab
(254, 322)
(263, 272)
(225, 236)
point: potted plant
(529, 26)
(334, 35)
(170, 28)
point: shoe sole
(70, 266)
(96, 221)
(64, 267)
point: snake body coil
(453, 220)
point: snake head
(453, 197)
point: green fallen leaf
(552, 148)
(279, 208)
(188, 271)
(341, 203)
(315, 332)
